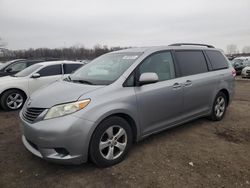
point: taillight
(234, 72)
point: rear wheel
(219, 107)
(110, 142)
(12, 100)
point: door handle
(176, 86)
(188, 83)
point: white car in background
(245, 73)
(14, 90)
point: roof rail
(191, 44)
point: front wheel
(12, 100)
(219, 107)
(110, 142)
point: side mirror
(35, 75)
(148, 78)
(9, 70)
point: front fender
(99, 113)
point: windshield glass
(4, 65)
(105, 69)
(28, 71)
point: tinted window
(217, 60)
(130, 81)
(51, 70)
(191, 62)
(159, 63)
(69, 68)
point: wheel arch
(131, 121)
(25, 94)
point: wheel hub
(113, 142)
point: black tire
(7, 94)
(213, 116)
(96, 155)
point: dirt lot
(198, 154)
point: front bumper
(63, 140)
(245, 75)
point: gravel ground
(198, 154)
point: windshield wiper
(83, 82)
(68, 79)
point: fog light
(61, 151)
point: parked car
(85, 61)
(17, 65)
(14, 90)
(239, 64)
(125, 96)
(246, 71)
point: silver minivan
(122, 97)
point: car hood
(58, 93)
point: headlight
(65, 109)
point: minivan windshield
(105, 69)
(28, 71)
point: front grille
(31, 114)
(248, 71)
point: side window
(69, 68)
(217, 60)
(130, 81)
(51, 70)
(191, 62)
(160, 63)
(17, 66)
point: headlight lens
(65, 109)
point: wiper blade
(83, 82)
(68, 79)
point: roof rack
(191, 44)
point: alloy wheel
(113, 142)
(14, 101)
(220, 106)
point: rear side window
(217, 60)
(51, 70)
(191, 62)
(69, 68)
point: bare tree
(71, 53)
(231, 49)
(246, 49)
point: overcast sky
(63, 23)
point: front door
(159, 104)
(48, 75)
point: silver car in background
(122, 97)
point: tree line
(70, 53)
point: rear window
(191, 62)
(217, 60)
(70, 68)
